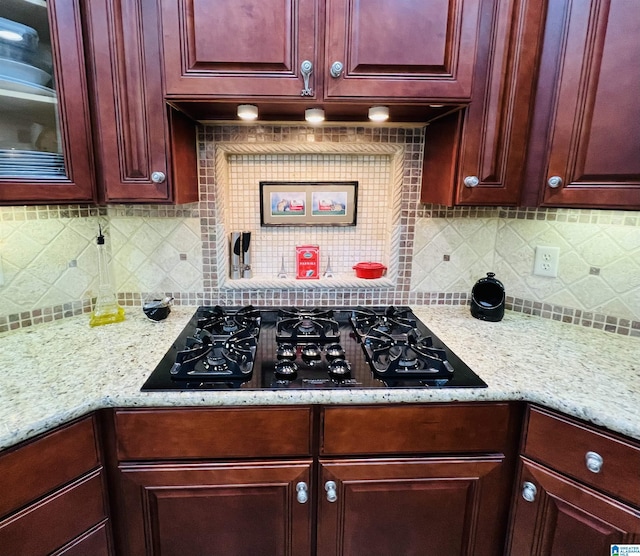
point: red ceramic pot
(369, 270)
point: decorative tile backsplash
(49, 267)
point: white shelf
(269, 283)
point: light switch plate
(546, 261)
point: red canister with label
(307, 262)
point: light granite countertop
(55, 372)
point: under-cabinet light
(379, 113)
(247, 112)
(314, 115)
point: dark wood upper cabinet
(476, 157)
(61, 108)
(146, 150)
(586, 139)
(255, 48)
(410, 51)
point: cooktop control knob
(339, 369)
(286, 369)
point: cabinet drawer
(52, 522)
(34, 469)
(563, 444)
(213, 433)
(412, 429)
(94, 542)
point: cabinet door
(497, 120)
(45, 129)
(567, 518)
(137, 135)
(229, 49)
(477, 157)
(587, 111)
(242, 509)
(415, 49)
(412, 507)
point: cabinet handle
(336, 69)
(554, 182)
(529, 491)
(302, 492)
(594, 461)
(158, 177)
(330, 487)
(471, 181)
(306, 68)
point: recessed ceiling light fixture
(247, 112)
(314, 115)
(379, 113)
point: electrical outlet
(546, 261)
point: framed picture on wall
(322, 203)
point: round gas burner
(286, 369)
(215, 363)
(229, 325)
(335, 351)
(306, 326)
(311, 351)
(286, 352)
(339, 369)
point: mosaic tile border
(327, 297)
(47, 212)
(578, 216)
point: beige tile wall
(49, 267)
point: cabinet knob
(471, 181)
(306, 68)
(529, 491)
(336, 69)
(330, 487)
(554, 182)
(302, 492)
(158, 177)
(594, 461)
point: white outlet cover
(546, 261)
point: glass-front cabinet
(45, 133)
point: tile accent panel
(49, 273)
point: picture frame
(318, 203)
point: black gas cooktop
(257, 348)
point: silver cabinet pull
(306, 68)
(330, 487)
(554, 182)
(158, 177)
(594, 461)
(336, 69)
(302, 492)
(471, 181)
(529, 491)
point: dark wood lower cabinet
(95, 542)
(244, 509)
(416, 479)
(567, 517)
(413, 506)
(52, 500)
